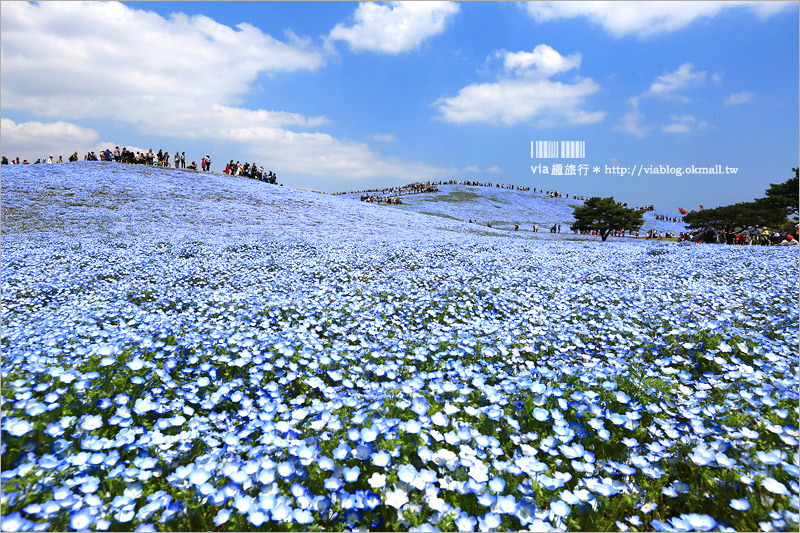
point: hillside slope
(97, 198)
(506, 207)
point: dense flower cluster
(374, 375)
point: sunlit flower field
(192, 352)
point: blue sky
(347, 96)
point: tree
(784, 196)
(780, 202)
(605, 215)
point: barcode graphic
(558, 149)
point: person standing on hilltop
(177, 159)
(183, 159)
(208, 163)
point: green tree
(781, 201)
(605, 215)
(784, 196)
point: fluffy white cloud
(396, 27)
(176, 76)
(645, 19)
(33, 140)
(526, 94)
(105, 59)
(681, 78)
(738, 98)
(543, 61)
(511, 101)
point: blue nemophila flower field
(193, 352)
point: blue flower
(78, 520)
(420, 406)
(464, 522)
(381, 459)
(559, 508)
(497, 485)
(775, 486)
(16, 427)
(333, 483)
(351, 474)
(699, 522)
(285, 469)
(377, 480)
(740, 504)
(397, 498)
(325, 463)
(302, 516)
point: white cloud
(320, 154)
(664, 86)
(677, 127)
(475, 169)
(102, 145)
(738, 98)
(543, 61)
(668, 84)
(526, 95)
(683, 124)
(70, 59)
(383, 137)
(632, 123)
(179, 76)
(396, 27)
(33, 140)
(645, 19)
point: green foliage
(781, 201)
(605, 215)
(785, 195)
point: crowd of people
(161, 158)
(391, 195)
(665, 218)
(656, 234)
(250, 170)
(754, 236)
(385, 193)
(472, 183)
